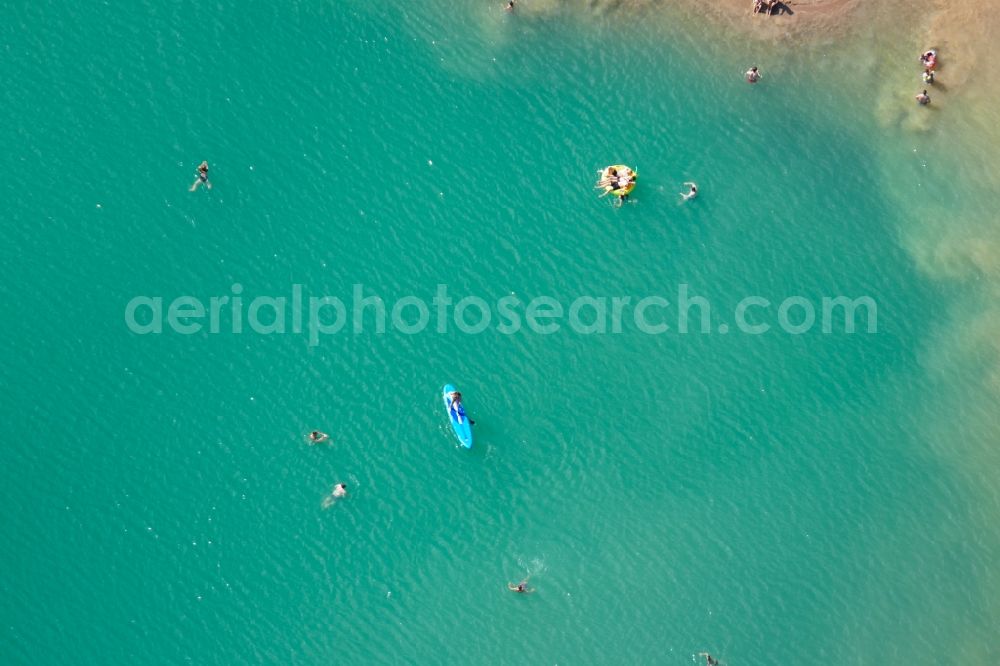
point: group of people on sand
(928, 60)
(340, 489)
(768, 6)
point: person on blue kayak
(457, 409)
(456, 405)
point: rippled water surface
(769, 498)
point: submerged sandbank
(951, 239)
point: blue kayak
(456, 414)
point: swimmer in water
(202, 177)
(510, 6)
(928, 76)
(317, 437)
(923, 99)
(753, 75)
(339, 490)
(520, 588)
(691, 193)
(709, 659)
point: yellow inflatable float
(618, 180)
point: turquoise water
(767, 498)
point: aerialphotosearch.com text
(365, 312)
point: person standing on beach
(923, 99)
(202, 177)
(753, 75)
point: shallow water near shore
(768, 498)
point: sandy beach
(964, 29)
(811, 19)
